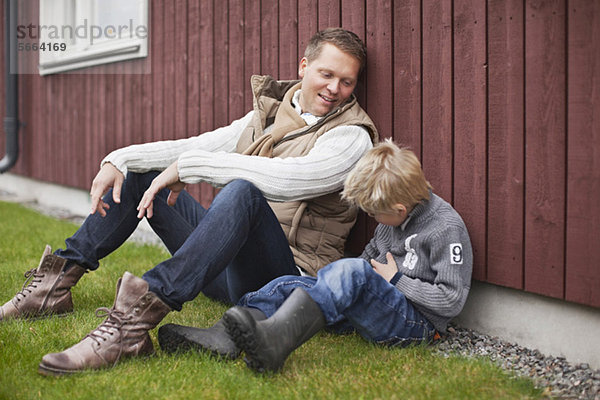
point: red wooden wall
(500, 99)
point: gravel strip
(559, 378)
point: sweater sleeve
(159, 155)
(451, 260)
(371, 251)
(322, 171)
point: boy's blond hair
(385, 176)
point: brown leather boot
(124, 332)
(46, 291)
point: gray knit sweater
(433, 252)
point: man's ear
(302, 67)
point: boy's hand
(387, 271)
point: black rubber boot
(268, 343)
(214, 340)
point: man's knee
(241, 187)
(139, 182)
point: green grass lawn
(328, 366)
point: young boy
(410, 280)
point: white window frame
(82, 52)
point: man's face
(327, 81)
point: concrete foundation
(554, 327)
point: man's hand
(386, 270)
(169, 178)
(108, 177)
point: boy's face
(391, 218)
(328, 80)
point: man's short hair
(346, 41)
(385, 176)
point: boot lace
(31, 278)
(112, 324)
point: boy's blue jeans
(349, 290)
(233, 247)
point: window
(81, 33)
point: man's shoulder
(266, 85)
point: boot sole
(245, 340)
(50, 371)
(171, 341)
(46, 370)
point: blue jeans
(233, 247)
(349, 290)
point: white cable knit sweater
(211, 158)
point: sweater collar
(417, 211)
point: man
(294, 149)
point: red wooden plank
(379, 73)
(55, 144)
(119, 108)
(252, 48)
(288, 39)
(437, 95)
(206, 72)
(194, 66)
(206, 84)
(583, 190)
(147, 100)
(30, 90)
(98, 131)
(158, 44)
(167, 131)
(195, 63)
(353, 19)
(470, 123)
(24, 163)
(104, 126)
(545, 147)
(110, 105)
(269, 35)
(76, 131)
(329, 14)
(60, 138)
(49, 140)
(127, 107)
(307, 24)
(380, 96)
(407, 75)
(180, 67)
(221, 44)
(86, 151)
(139, 101)
(236, 82)
(505, 143)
